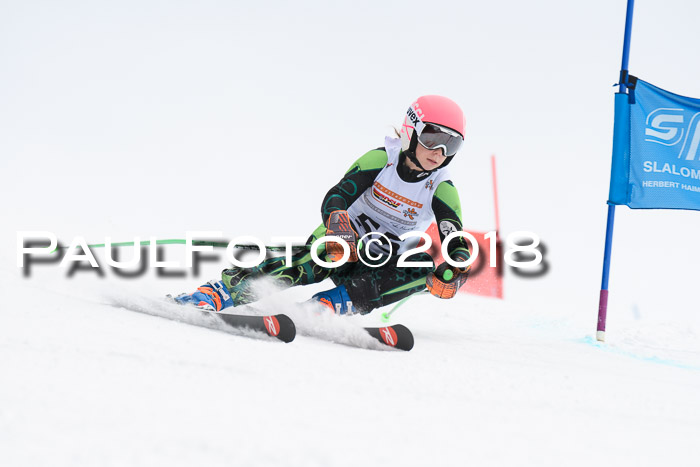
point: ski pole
(180, 241)
(387, 314)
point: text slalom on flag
(655, 164)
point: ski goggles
(439, 137)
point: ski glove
(446, 280)
(339, 226)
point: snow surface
(88, 383)
(145, 118)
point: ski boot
(212, 296)
(336, 299)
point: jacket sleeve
(448, 215)
(356, 180)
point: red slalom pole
(499, 249)
(495, 194)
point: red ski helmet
(434, 122)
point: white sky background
(153, 118)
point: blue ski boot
(212, 296)
(337, 300)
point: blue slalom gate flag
(655, 163)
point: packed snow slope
(139, 118)
(86, 381)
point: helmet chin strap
(411, 153)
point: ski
(397, 336)
(279, 326)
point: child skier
(399, 188)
